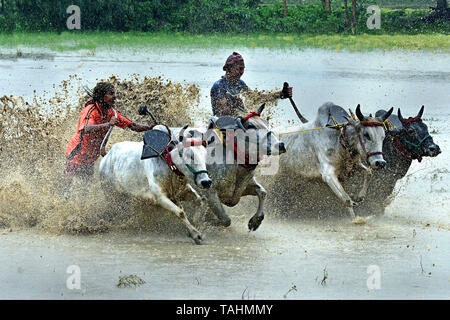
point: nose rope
(192, 170)
(168, 159)
(417, 146)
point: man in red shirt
(93, 124)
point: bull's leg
(330, 177)
(367, 176)
(362, 193)
(189, 193)
(167, 204)
(255, 189)
(216, 206)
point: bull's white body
(312, 152)
(319, 153)
(151, 179)
(123, 168)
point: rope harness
(342, 136)
(166, 156)
(232, 139)
(388, 125)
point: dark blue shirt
(219, 90)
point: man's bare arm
(91, 128)
(139, 127)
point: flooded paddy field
(287, 257)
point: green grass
(70, 41)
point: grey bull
(233, 172)
(325, 153)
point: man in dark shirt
(225, 99)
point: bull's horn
(358, 113)
(211, 124)
(240, 125)
(419, 115)
(261, 108)
(181, 134)
(399, 113)
(387, 114)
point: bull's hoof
(196, 237)
(255, 222)
(358, 200)
(225, 222)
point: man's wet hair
(100, 90)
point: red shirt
(84, 147)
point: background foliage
(206, 16)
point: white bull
(151, 179)
(324, 153)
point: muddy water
(325, 258)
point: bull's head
(415, 137)
(368, 140)
(190, 157)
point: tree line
(206, 16)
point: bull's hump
(328, 111)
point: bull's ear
(419, 115)
(399, 113)
(192, 133)
(181, 134)
(387, 114)
(239, 124)
(261, 108)
(211, 124)
(211, 140)
(358, 113)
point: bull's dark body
(380, 192)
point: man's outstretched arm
(139, 127)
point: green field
(68, 41)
